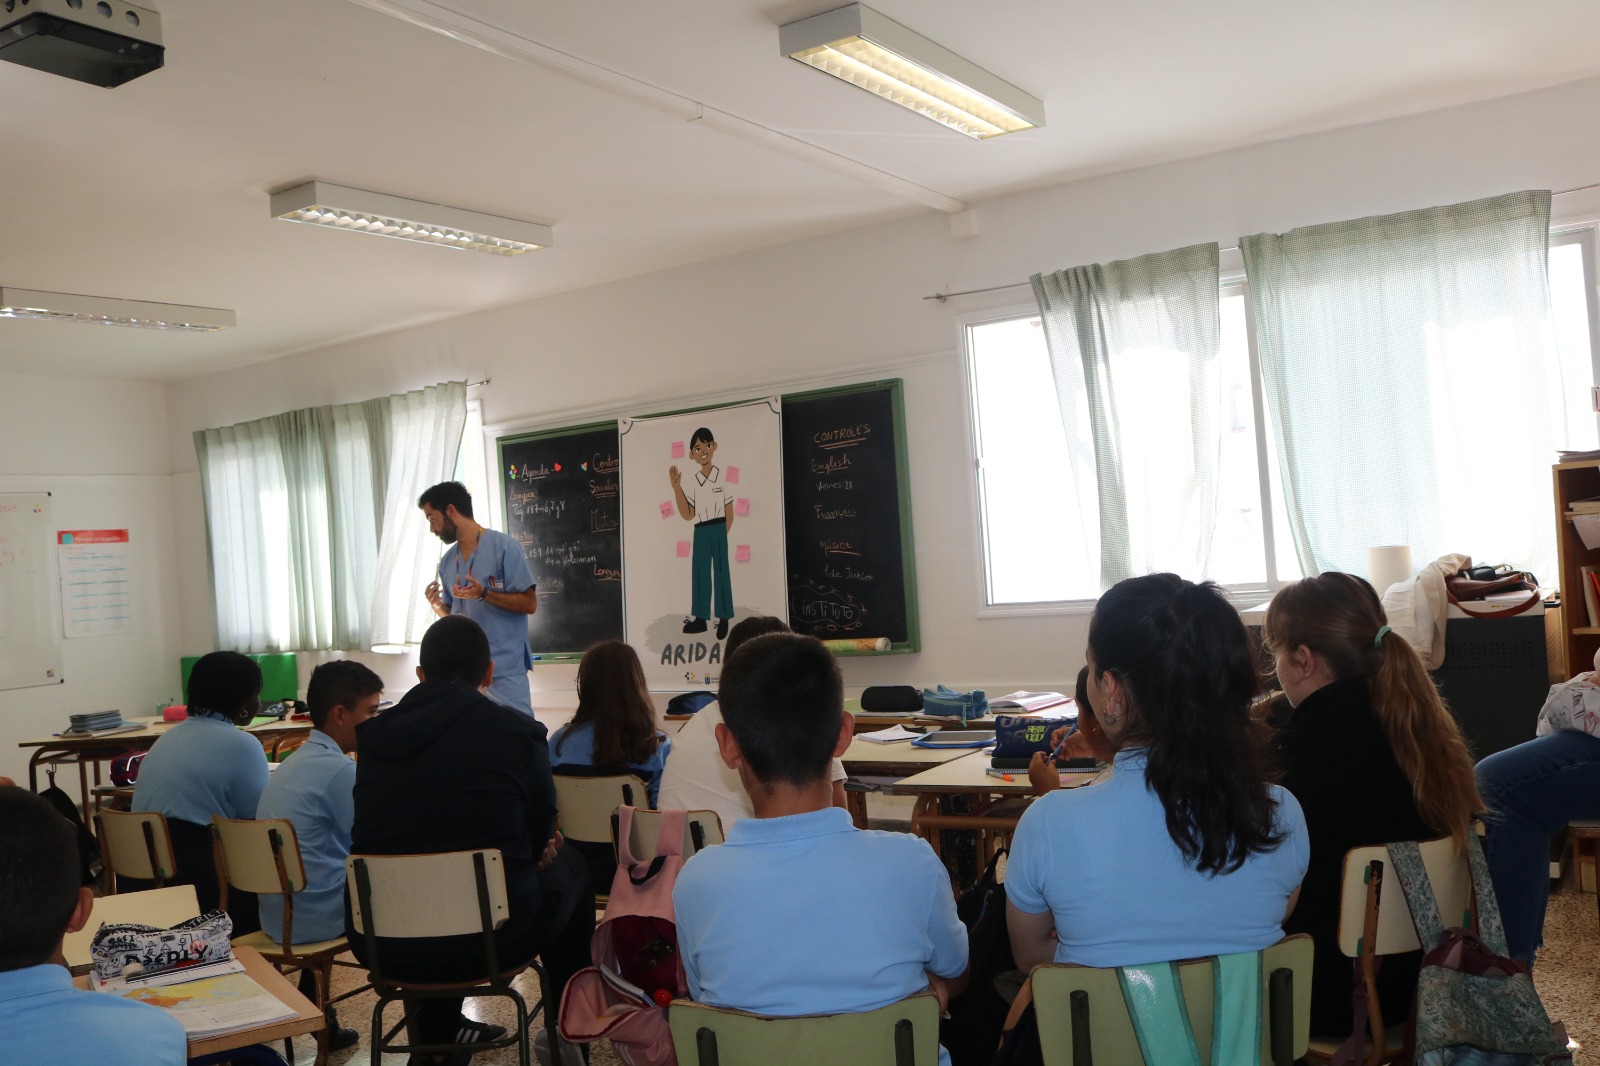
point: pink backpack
(637, 971)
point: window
(1036, 547)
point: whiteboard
(30, 596)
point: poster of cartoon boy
(703, 499)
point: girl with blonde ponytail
(1372, 754)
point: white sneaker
(570, 1055)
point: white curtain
(1134, 347)
(297, 508)
(1412, 379)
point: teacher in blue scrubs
(484, 575)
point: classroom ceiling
(583, 115)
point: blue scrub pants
(1533, 790)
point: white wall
(851, 305)
(100, 448)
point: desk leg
(927, 806)
(856, 804)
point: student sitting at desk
(1372, 754)
(315, 790)
(203, 766)
(43, 1018)
(614, 730)
(743, 908)
(696, 778)
(1186, 850)
(1085, 739)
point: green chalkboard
(847, 509)
(560, 494)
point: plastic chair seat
(269, 947)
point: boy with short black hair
(43, 1018)
(315, 790)
(743, 908)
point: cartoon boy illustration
(705, 501)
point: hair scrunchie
(1377, 641)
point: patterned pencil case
(155, 950)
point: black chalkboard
(847, 509)
(560, 490)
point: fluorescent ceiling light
(358, 211)
(105, 311)
(876, 53)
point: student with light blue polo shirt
(1185, 850)
(484, 575)
(206, 765)
(315, 790)
(43, 1018)
(743, 909)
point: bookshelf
(1577, 640)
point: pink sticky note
(732, 475)
(677, 449)
(741, 506)
(741, 554)
(683, 549)
(667, 509)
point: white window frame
(1583, 234)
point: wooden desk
(997, 803)
(307, 1019)
(863, 758)
(93, 751)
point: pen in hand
(1071, 729)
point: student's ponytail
(1340, 617)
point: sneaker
(694, 625)
(722, 628)
(340, 1037)
(471, 1032)
(570, 1055)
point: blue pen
(1071, 729)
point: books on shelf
(1578, 456)
(1591, 594)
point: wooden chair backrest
(701, 830)
(1452, 889)
(126, 845)
(249, 859)
(905, 1033)
(1112, 1040)
(584, 804)
(426, 895)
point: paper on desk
(1588, 527)
(214, 1006)
(890, 735)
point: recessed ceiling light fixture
(359, 211)
(876, 53)
(105, 311)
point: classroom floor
(1567, 976)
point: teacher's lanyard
(461, 603)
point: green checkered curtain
(306, 547)
(1411, 375)
(1134, 348)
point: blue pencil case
(945, 702)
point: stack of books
(98, 723)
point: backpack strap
(1491, 932)
(1154, 999)
(1406, 858)
(625, 857)
(673, 825)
